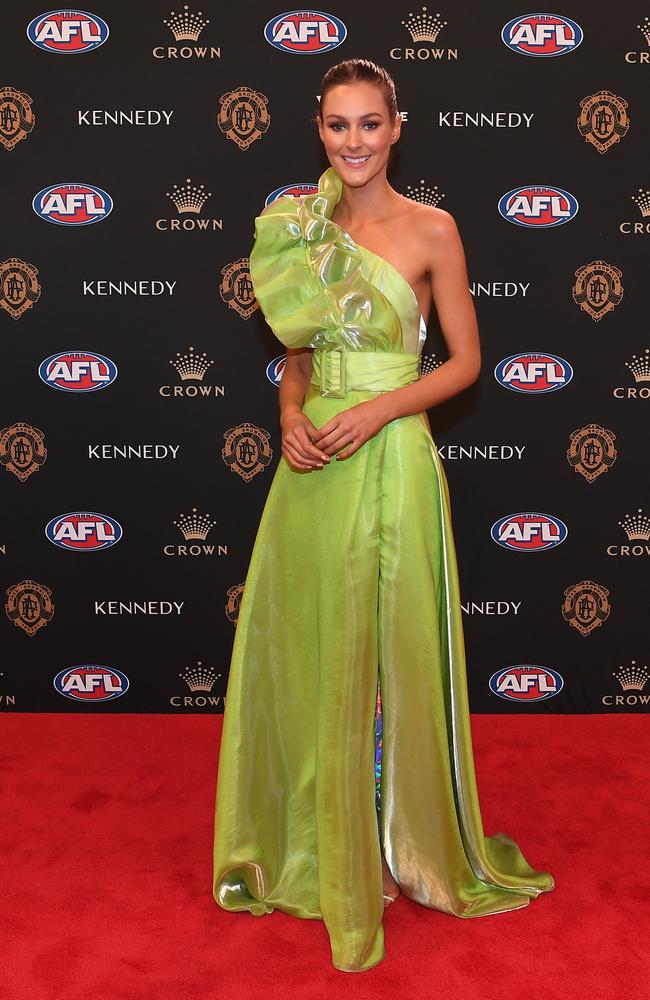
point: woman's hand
(353, 427)
(298, 432)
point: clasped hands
(306, 446)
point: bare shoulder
(435, 231)
(435, 224)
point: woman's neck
(359, 206)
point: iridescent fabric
(351, 603)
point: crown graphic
(186, 27)
(631, 678)
(645, 29)
(189, 198)
(194, 526)
(200, 678)
(425, 195)
(191, 366)
(636, 526)
(640, 367)
(642, 201)
(428, 364)
(424, 27)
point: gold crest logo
(22, 450)
(236, 288)
(19, 288)
(591, 451)
(586, 606)
(243, 116)
(247, 450)
(233, 602)
(16, 116)
(29, 605)
(603, 119)
(598, 288)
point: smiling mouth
(356, 160)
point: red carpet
(106, 844)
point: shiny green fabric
(352, 581)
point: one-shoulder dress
(346, 726)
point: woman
(352, 589)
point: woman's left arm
(455, 308)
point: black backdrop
(142, 620)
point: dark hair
(364, 70)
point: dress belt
(339, 370)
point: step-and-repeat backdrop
(139, 431)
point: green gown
(352, 586)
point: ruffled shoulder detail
(308, 279)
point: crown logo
(642, 201)
(186, 27)
(189, 198)
(194, 527)
(191, 366)
(640, 367)
(424, 27)
(200, 678)
(645, 29)
(428, 364)
(425, 195)
(631, 678)
(636, 526)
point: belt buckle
(340, 392)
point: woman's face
(356, 127)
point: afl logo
(77, 371)
(538, 206)
(542, 35)
(526, 683)
(67, 32)
(83, 531)
(89, 682)
(305, 32)
(528, 532)
(294, 190)
(275, 368)
(72, 204)
(533, 373)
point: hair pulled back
(361, 71)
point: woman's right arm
(297, 428)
